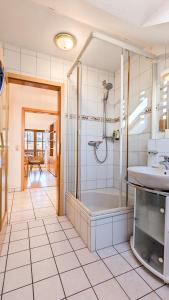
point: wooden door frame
(49, 85)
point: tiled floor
(44, 258)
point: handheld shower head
(107, 87)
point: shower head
(107, 86)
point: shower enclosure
(109, 124)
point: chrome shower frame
(124, 47)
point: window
(34, 142)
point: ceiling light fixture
(65, 41)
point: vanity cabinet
(150, 241)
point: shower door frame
(124, 47)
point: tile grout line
(32, 204)
(77, 267)
(6, 265)
(115, 277)
(9, 220)
(31, 263)
(55, 263)
(120, 253)
(81, 267)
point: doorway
(41, 135)
(20, 106)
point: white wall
(23, 96)
(37, 64)
(38, 121)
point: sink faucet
(165, 162)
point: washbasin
(155, 178)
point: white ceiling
(133, 11)
(102, 55)
(32, 24)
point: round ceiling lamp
(65, 41)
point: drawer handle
(162, 210)
(160, 259)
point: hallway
(37, 179)
(44, 258)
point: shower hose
(96, 156)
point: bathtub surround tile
(94, 233)
(120, 233)
(104, 235)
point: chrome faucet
(165, 162)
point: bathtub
(99, 218)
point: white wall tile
(12, 60)
(120, 230)
(104, 236)
(43, 67)
(28, 64)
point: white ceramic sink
(156, 178)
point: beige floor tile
(134, 286)
(50, 288)
(97, 272)
(17, 278)
(74, 281)
(110, 290)
(67, 262)
(44, 269)
(117, 264)
(20, 294)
